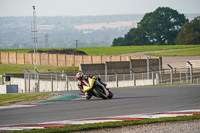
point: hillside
(61, 32)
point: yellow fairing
(91, 83)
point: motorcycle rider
(83, 80)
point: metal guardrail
(57, 81)
(36, 81)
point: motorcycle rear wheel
(99, 93)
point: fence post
(160, 65)
(24, 80)
(26, 73)
(152, 75)
(116, 77)
(29, 89)
(56, 81)
(157, 78)
(67, 83)
(131, 70)
(147, 67)
(171, 73)
(106, 72)
(191, 72)
(37, 84)
(134, 80)
(51, 80)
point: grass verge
(119, 50)
(85, 127)
(134, 49)
(179, 52)
(16, 68)
(8, 99)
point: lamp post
(77, 43)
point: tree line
(164, 26)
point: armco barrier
(59, 59)
(61, 85)
(60, 82)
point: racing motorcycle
(97, 91)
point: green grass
(132, 49)
(7, 99)
(116, 50)
(174, 50)
(15, 50)
(24, 50)
(85, 127)
(179, 52)
(16, 68)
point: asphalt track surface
(126, 101)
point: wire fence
(34, 81)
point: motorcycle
(95, 90)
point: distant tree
(156, 28)
(190, 33)
(118, 41)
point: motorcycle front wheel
(110, 94)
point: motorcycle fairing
(91, 83)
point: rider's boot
(87, 95)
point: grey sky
(92, 7)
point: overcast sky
(92, 7)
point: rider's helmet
(79, 76)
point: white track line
(15, 106)
(102, 119)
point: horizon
(87, 15)
(91, 8)
(97, 15)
